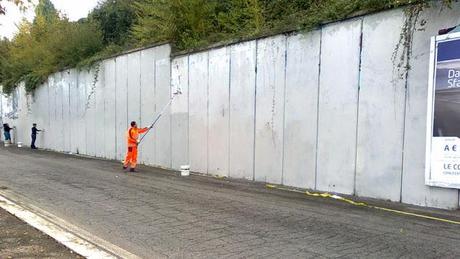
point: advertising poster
(443, 139)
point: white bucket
(19, 144)
(185, 170)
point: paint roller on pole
(178, 92)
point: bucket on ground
(185, 170)
(19, 144)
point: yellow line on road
(362, 204)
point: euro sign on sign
(443, 134)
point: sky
(74, 9)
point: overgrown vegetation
(51, 42)
(47, 44)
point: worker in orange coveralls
(133, 140)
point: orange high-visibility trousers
(132, 136)
(131, 157)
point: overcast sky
(74, 9)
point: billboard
(443, 134)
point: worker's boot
(132, 170)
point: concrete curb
(74, 238)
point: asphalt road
(156, 213)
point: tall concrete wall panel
(53, 88)
(121, 105)
(52, 111)
(198, 112)
(58, 135)
(68, 82)
(50, 107)
(74, 116)
(109, 94)
(382, 92)
(60, 124)
(80, 136)
(40, 113)
(414, 190)
(242, 110)
(179, 113)
(134, 89)
(99, 99)
(91, 112)
(22, 125)
(34, 117)
(20, 120)
(147, 148)
(302, 82)
(162, 96)
(35, 114)
(270, 90)
(338, 98)
(218, 128)
(29, 118)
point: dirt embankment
(19, 240)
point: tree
(46, 10)
(115, 18)
(4, 56)
(44, 46)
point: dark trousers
(34, 137)
(7, 136)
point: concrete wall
(335, 109)
(87, 112)
(242, 110)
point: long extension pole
(178, 92)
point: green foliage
(115, 18)
(194, 23)
(236, 18)
(4, 54)
(45, 46)
(45, 9)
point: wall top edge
(126, 52)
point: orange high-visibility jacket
(133, 135)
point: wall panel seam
(286, 45)
(318, 106)
(357, 104)
(255, 111)
(229, 53)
